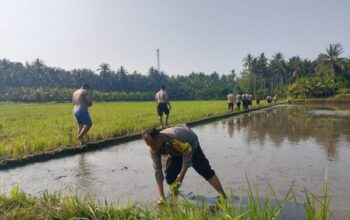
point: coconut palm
(106, 76)
(278, 67)
(248, 61)
(331, 60)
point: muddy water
(272, 146)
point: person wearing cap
(82, 100)
(163, 106)
(181, 145)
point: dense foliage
(261, 76)
(312, 87)
(42, 94)
(306, 78)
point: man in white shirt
(163, 106)
(230, 101)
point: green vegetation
(312, 87)
(261, 76)
(302, 78)
(42, 94)
(20, 205)
(32, 128)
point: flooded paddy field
(273, 147)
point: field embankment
(338, 99)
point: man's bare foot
(81, 141)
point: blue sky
(193, 35)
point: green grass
(33, 128)
(343, 96)
(334, 99)
(20, 205)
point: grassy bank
(338, 99)
(33, 128)
(19, 205)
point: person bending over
(182, 146)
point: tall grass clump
(317, 207)
(20, 205)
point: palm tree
(261, 69)
(248, 61)
(248, 65)
(104, 67)
(105, 75)
(332, 59)
(278, 67)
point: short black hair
(152, 132)
(163, 87)
(85, 86)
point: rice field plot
(33, 128)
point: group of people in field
(179, 143)
(246, 100)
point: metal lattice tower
(158, 60)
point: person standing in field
(163, 106)
(230, 101)
(269, 99)
(82, 101)
(238, 102)
(182, 146)
(251, 98)
(245, 101)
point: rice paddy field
(33, 128)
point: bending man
(182, 146)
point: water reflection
(83, 176)
(296, 124)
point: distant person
(238, 102)
(245, 101)
(182, 145)
(250, 99)
(82, 101)
(269, 99)
(257, 100)
(275, 98)
(163, 106)
(230, 101)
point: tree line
(37, 82)
(297, 77)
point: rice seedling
(20, 205)
(32, 128)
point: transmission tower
(158, 60)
